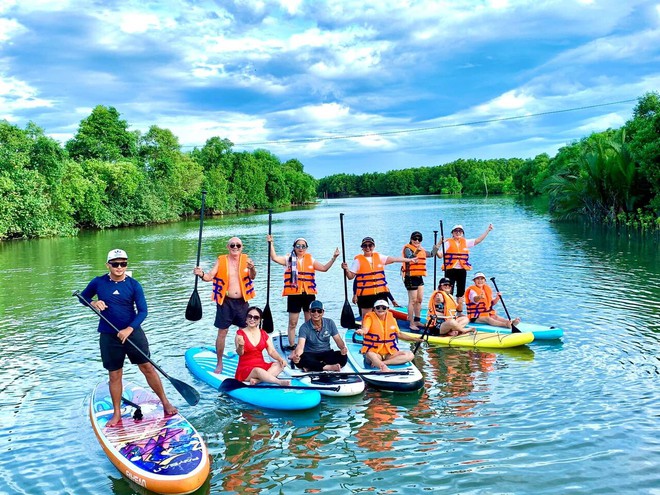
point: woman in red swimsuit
(250, 344)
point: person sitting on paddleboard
(313, 352)
(369, 270)
(250, 343)
(456, 262)
(480, 302)
(299, 280)
(121, 299)
(380, 334)
(413, 276)
(442, 312)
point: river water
(578, 415)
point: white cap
(457, 227)
(381, 302)
(117, 253)
(477, 275)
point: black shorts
(315, 361)
(113, 352)
(367, 302)
(299, 302)
(413, 282)
(231, 312)
(458, 276)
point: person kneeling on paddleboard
(442, 312)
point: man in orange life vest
(480, 302)
(299, 280)
(369, 270)
(232, 277)
(456, 262)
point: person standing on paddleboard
(413, 277)
(299, 280)
(456, 261)
(232, 277)
(121, 299)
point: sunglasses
(253, 317)
(416, 238)
(367, 245)
(443, 285)
(459, 230)
(117, 264)
(316, 310)
(380, 308)
(300, 246)
(236, 246)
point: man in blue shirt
(122, 301)
(313, 352)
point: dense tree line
(109, 176)
(612, 176)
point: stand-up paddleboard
(541, 332)
(349, 384)
(201, 362)
(409, 380)
(164, 454)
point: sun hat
(316, 305)
(478, 275)
(117, 253)
(368, 239)
(381, 302)
(457, 227)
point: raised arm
(273, 256)
(324, 268)
(483, 236)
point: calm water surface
(574, 416)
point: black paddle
(230, 384)
(514, 329)
(442, 239)
(352, 373)
(187, 392)
(194, 308)
(347, 319)
(137, 414)
(267, 316)
(424, 333)
(435, 259)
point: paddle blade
(267, 320)
(194, 308)
(230, 384)
(187, 392)
(347, 319)
(515, 329)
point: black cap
(367, 239)
(444, 280)
(417, 234)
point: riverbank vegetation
(611, 176)
(109, 176)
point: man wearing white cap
(122, 301)
(480, 302)
(456, 261)
(299, 280)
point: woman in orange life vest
(413, 276)
(480, 302)
(442, 312)
(369, 270)
(380, 336)
(456, 262)
(299, 281)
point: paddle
(194, 308)
(137, 414)
(187, 392)
(267, 316)
(351, 373)
(514, 329)
(424, 333)
(347, 319)
(435, 260)
(231, 384)
(442, 239)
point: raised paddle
(267, 316)
(187, 392)
(230, 384)
(514, 329)
(442, 239)
(435, 260)
(347, 319)
(194, 308)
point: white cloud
(16, 96)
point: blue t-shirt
(317, 341)
(127, 306)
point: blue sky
(292, 76)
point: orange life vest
(450, 304)
(457, 255)
(306, 277)
(381, 337)
(417, 269)
(483, 307)
(370, 277)
(221, 279)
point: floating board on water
(541, 332)
(411, 381)
(348, 384)
(164, 454)
(201, 362)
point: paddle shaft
(343, 255)
(513, 327)
(230, 384)
(426, 330)
(442, 238)
(270, 227)
(435, 260)
(199, 240)
(350, 373)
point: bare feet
(218, 368)
(254, 381)
(332, 367)
(284, 383)
(116, 418)
(169, 409)
(383, 367)
(516, 321)
(414, 328)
